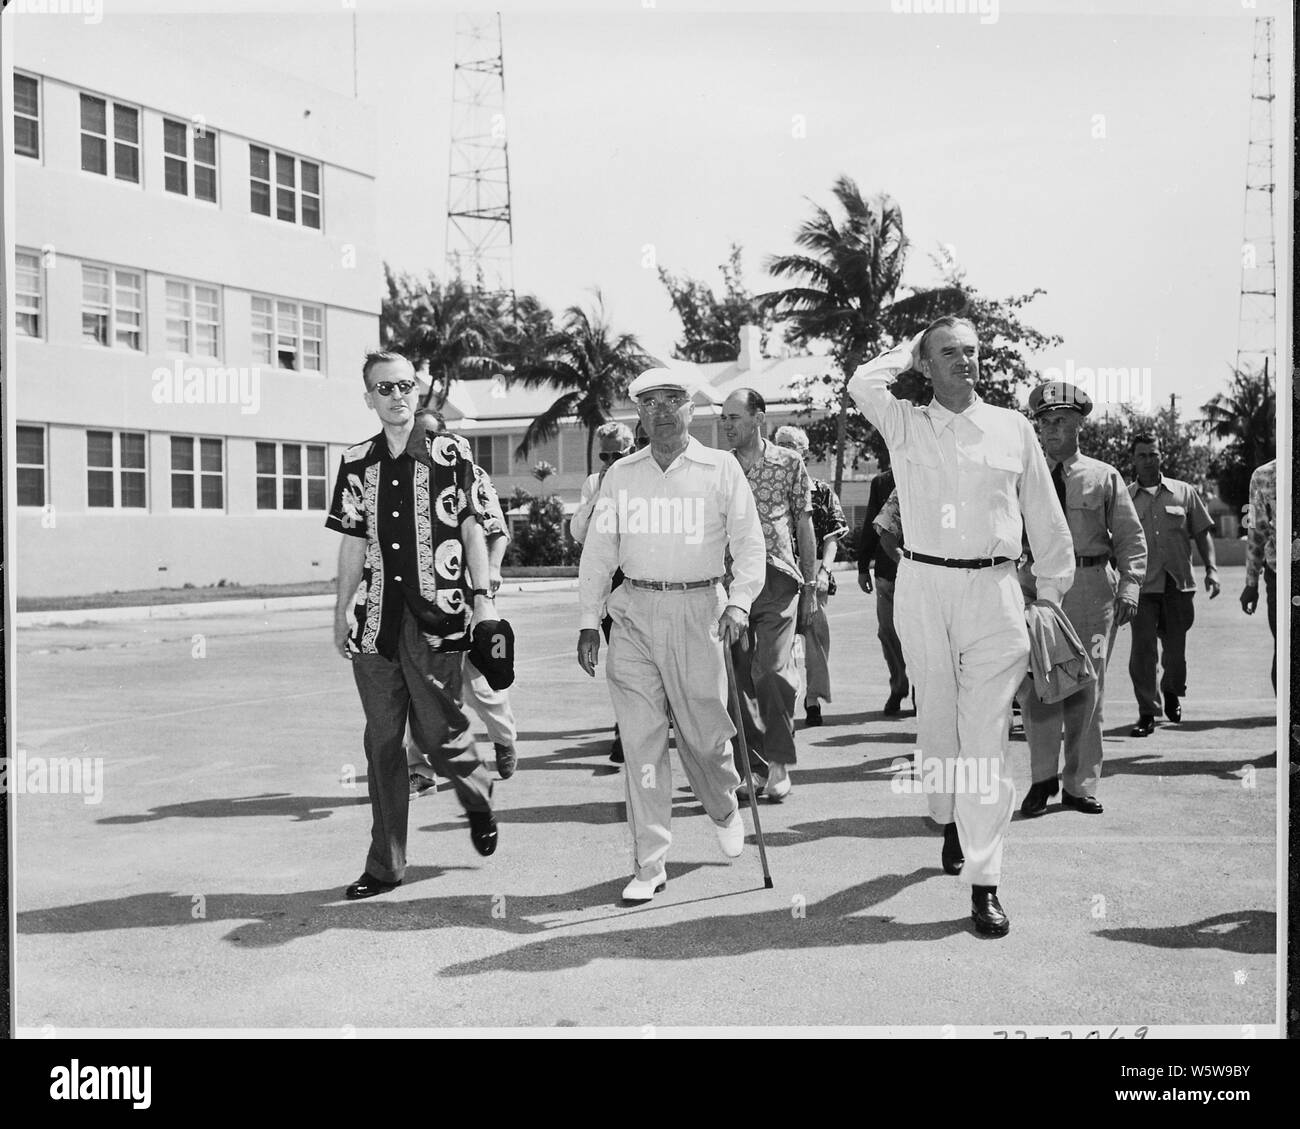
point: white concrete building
(195, 283)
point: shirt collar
(973, 414)
(1067, 462)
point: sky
(1080, 148)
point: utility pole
(1257, 328)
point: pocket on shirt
(1007, 461)
(921, 455)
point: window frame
(117, 469)
(40, 96)
(191, 319)
(304, 478)
(266, 341)
(294, 187)
(113, 309)
(196, 475)
(110, 138)
(43, 467)
(19, 294)
(190, 161)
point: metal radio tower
(1256, 334)
(479, 235)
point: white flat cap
(654, 378)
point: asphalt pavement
(203, 889)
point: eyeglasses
(668, 403)
(611, 456)
(385, 387)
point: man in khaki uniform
(1104, 526)
(666, 516)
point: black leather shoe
(814, 714)
(1038, 795)
(616, 749)
(483, 831)
(507, 761)
(952, 857)
(1089, 805)
(987, 913)
(893, 705)
(1173, 709)
(1145, 727)
(367, 886)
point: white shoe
(778, 782)
(643, 889)
(731, 835)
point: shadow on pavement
(1264, 722)
(1153, 764)
(853, 827)
(833, 921)
(842, 739)
(274, 919)
(1251, 931)
(302, 808)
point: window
(115, 469)
(481, 446)
(27, 116)
(289, 472)
(193, 319)
(112, 306)
(288, 335)
(297, 186)
(30, 465)
(197, 484)
(27, 293)
(181, 169)
(95, 138)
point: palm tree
(846, 279)
(447, 328)
(1244, 418)
(591, 365)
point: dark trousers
(423, 685)
(1270, 591)
(767, 676)
(1163, 618)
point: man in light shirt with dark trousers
(970, 478)
(667, 516)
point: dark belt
(947, 562)
(672, 585)
(1091, 562)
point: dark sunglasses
(385, 387)
(611, 456)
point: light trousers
(967, 648)
(1090, 607)
(665, 654)
(767, 675)
(817, 651)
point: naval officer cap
(656, 378)
(1058, 394)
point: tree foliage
(1184, 452)
(1244, 419)
(590, 365)
(711, 323)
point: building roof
(483, 405)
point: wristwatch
(475, 593)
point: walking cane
(734, 695)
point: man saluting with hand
(666, 516)
(970, 476)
